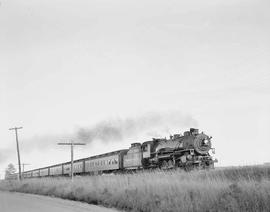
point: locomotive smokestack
(194, 131)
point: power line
(71, 144)
(18, 150)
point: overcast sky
(71, 64)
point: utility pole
(18, 150)
(24, 164)
(71, 144)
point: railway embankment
(224, 189)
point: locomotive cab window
(145, 148)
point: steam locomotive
(187, 151)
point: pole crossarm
(24, 164)
(71, 143)
(15, 128)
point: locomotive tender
(187, 151)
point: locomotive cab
(146, 149)
(133, 158)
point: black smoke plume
(148, 125)
(151, 124)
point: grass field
(224, 189)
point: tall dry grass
(229, 189)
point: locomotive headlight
(206, 142)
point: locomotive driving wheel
(164, 165)
(167, 164)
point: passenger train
(188, 151)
